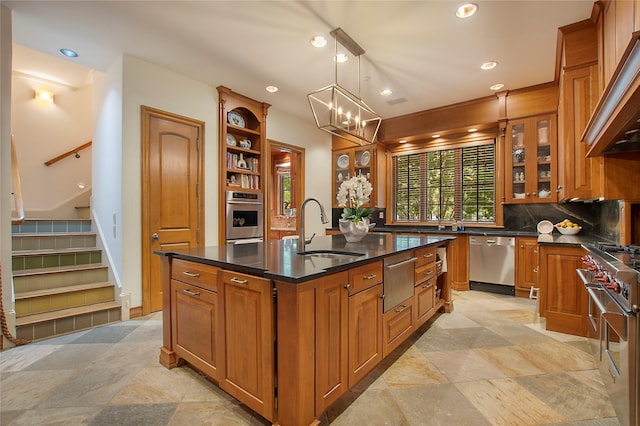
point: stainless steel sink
(331, 254)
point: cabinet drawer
(425, 272)
(365, 276)
(425, 255)
(397, 325)
(199, 274)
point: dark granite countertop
(279, 260)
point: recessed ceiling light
(318, 41)
(466, 10)
(435, 136)
(271, 89)
(386, 92)
(497, 86)
(472, 130)
(70, 53)
(489, 65)
(341, 57)
(402, 141)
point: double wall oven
(245, 212)
(612, 280)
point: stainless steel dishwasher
(398, 279)
(492, 264)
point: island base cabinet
(247, 367)
(424, 301)
(195, 326)
(397, 325)
(365, 334)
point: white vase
(354, 232)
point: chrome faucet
(302, 241)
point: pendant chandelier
(340, 112)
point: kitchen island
(266, 323)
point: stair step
(44, 241)
(49, 324)
(59, 290)
(30, 226)
(40, 301)
(56, 277)
(55, 258)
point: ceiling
(419, 49)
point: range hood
(614, 126)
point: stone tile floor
(489, 362)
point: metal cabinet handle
(369, 277)
(426, 256)
(190, 274)
(429, 272)
(427, 286)
(238, 281)
(404, 307)
(347, 287)
(155, 236)
(404, 262)
(191, 293)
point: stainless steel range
(612, 279)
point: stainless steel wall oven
(612, 281)
(245, 212)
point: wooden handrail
(17, 187)
(68, 153)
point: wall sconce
(44, 95)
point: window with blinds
(446, 185)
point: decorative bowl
(568, 231)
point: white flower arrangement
(352, 194)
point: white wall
(107, 165)
(45, 130)
(5, 165)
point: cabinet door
(331, 340)
(397, 325)
(580, 176)
(194, 313)
(365, 332)
(526, 266)
(248, 369)
(530, 162)
(424, 301)
(562, 297)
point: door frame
(298, 190)
(146, 114)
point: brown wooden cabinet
(526, 265)
(247, 369)
(365, 332)
(397, 325)
(563, 299)
(530, 170)
(195, 315)
(243, 148)
(331, 345)
(425, 300)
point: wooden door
(331, 340)
(365, 332)
(172, 210)
(247, 369)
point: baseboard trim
(135, 312)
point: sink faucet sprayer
(323, 218)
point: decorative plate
(545, 227)
(235, 119)
(343, 161)
(364, 159)
(231, 141)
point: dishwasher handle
(404, 262)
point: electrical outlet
(380, 215)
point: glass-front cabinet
(531, 160)
(353, 162)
